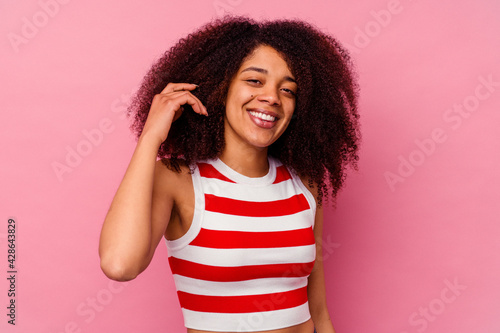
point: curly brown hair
(323, 137)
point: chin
(259, 143)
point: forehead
(268, 58)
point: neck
(250, 162)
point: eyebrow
(265, 71)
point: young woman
(254, 125)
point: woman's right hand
(167, 107)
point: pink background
(413, 245)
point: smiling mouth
(263, 116)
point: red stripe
(282, 174)
(292, 205)
(208, 171)
(243, 304)
(221, 239)
(238, 273)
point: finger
(195, 103)
(172, 87)
(176, 90)
(199, 108)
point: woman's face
(260, 100)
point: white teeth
(262, 116)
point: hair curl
(322, 138)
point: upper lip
(264, 111)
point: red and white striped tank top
(243, 264)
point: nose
(270, 95)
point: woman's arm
(316, 290)
(316, 285)
(126, 244)
(135, 221)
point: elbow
(116, 270)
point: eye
(289, 91)
(253, 81)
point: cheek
(290, 108)
(238, 99)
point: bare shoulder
(169, 179)
(173, 197)
(172, 188)
(311, 186)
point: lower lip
(262, 123)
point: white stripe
(247, 322)
(247, 257)
(239, 288)
(219, 221)
(280, 191)
(241, 179)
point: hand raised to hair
(167, 108)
